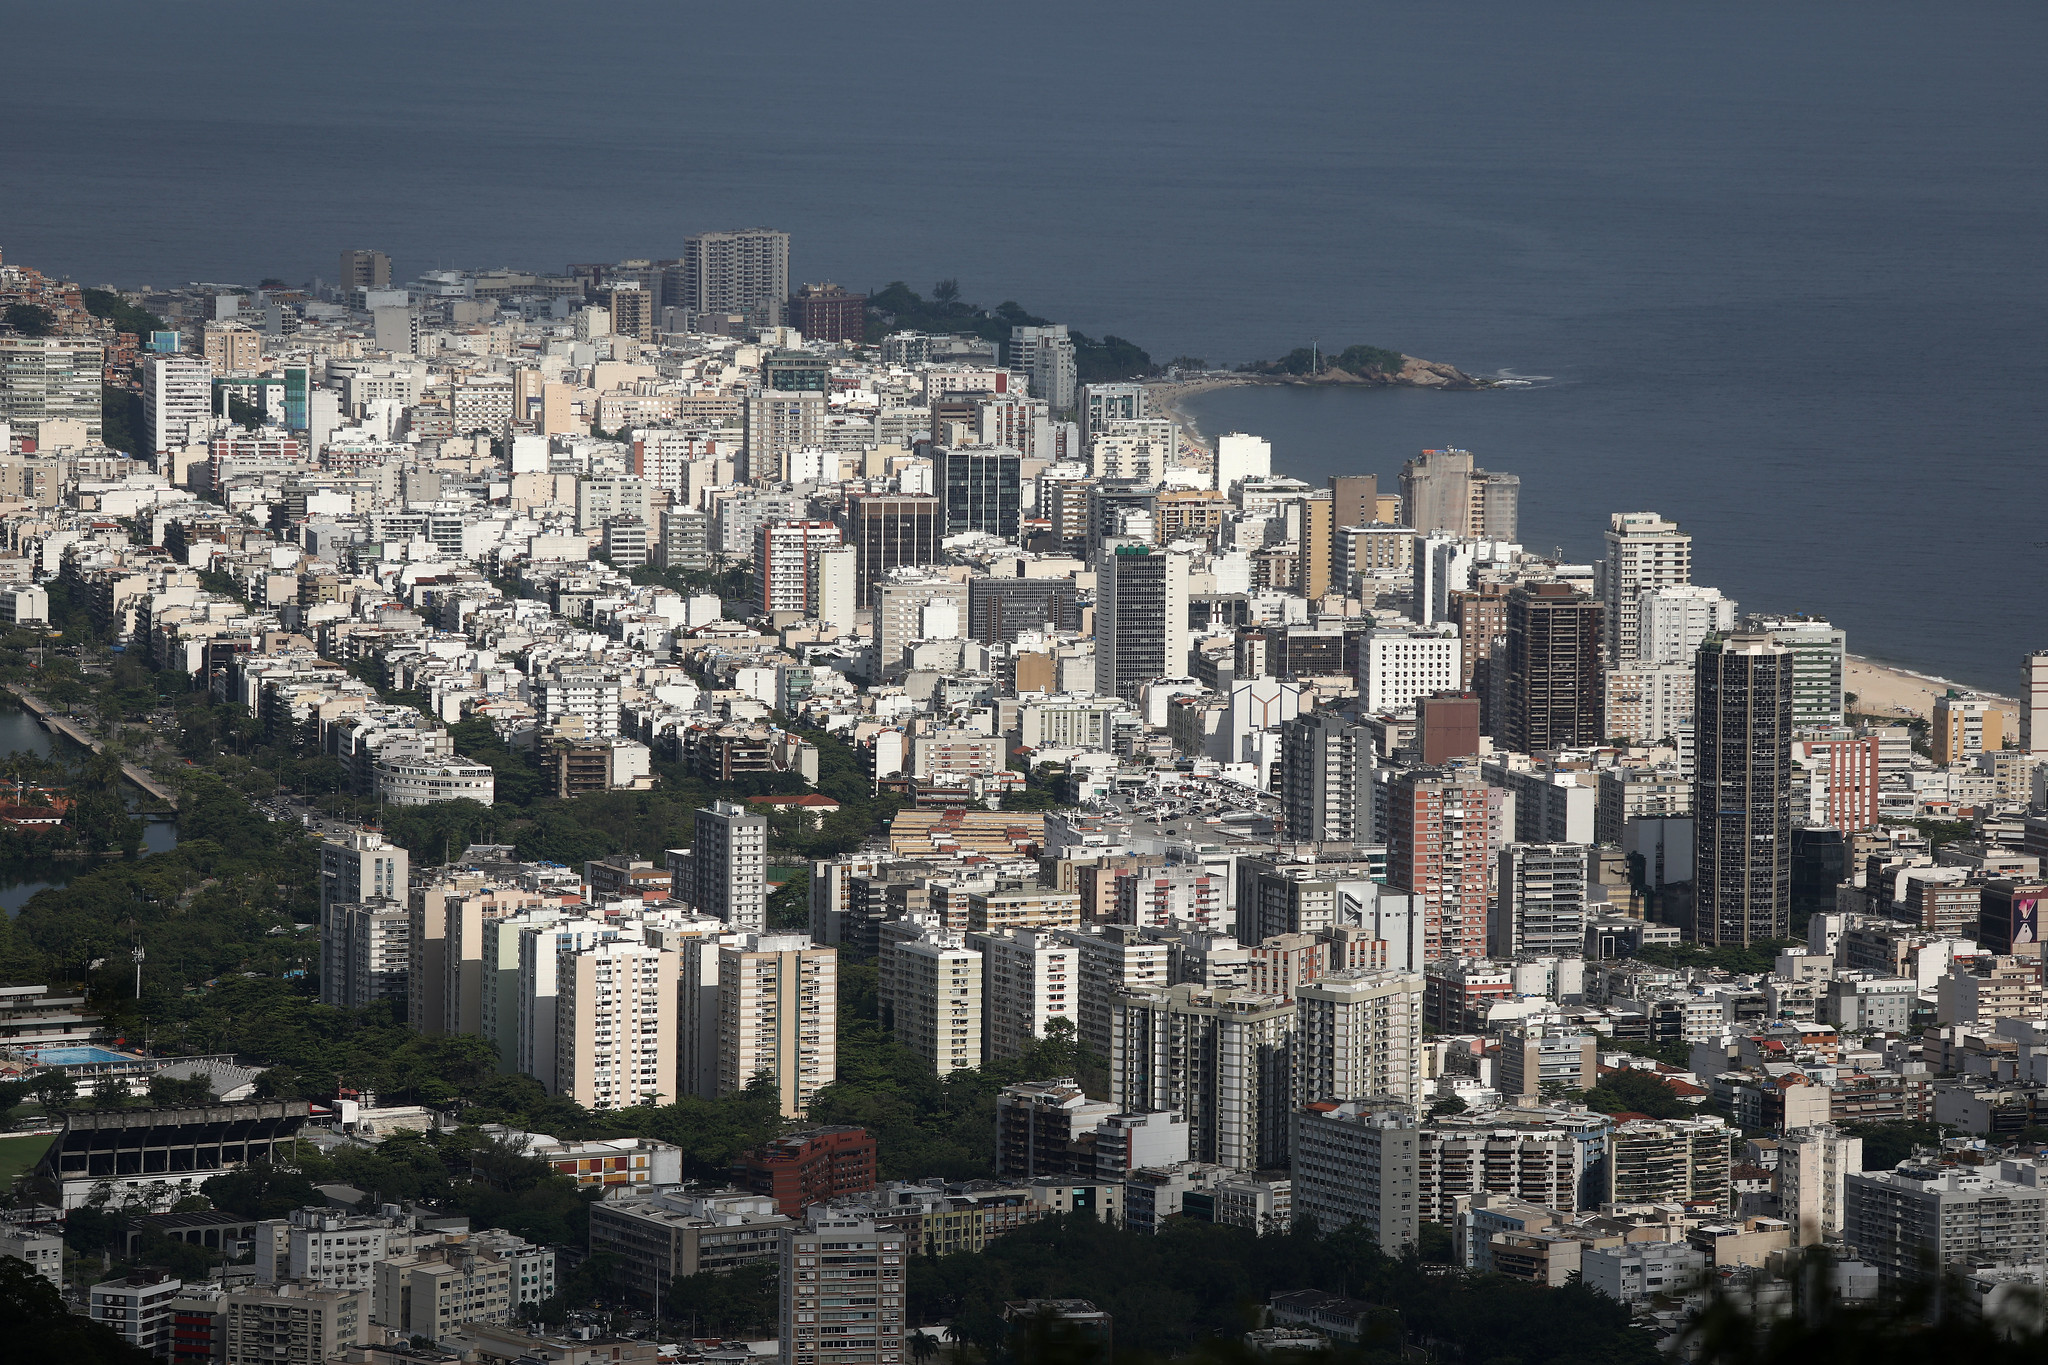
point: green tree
(41, 1327)
(29, 319)
(126, 317)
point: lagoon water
(20, 879)
(1781, 265)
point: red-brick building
(825, 312)
(809, 1167)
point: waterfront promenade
(71, 730)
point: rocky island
(1368, 365)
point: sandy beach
(1165, 400)
(1880, 689)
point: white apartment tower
(1673, 621)
(931, 998)
(542, 949)
(615, 1025)
(2034, 704)
(1222, 1057)
(1814, 1165)
(357, 870)
(778, 1015)
(1114, 958)
(1029, 977)
(1358, 1034)
(1239, 457)
(177, 401)
(730, 865)
(1542, 901)
(1644, 552)
(1396, 667)
(787, 565)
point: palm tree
(923, 1346)
(946, 290)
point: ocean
(1774, 271)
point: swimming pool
(77, 1056)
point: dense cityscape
(669, 812)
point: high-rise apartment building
(1045, 354)
(826, 312)
(1965, 724)
(262, 1324)
(786, 576)
(177, 401)
(1301, 894)
(1542, 906)
(1819, 659)
(1358, 1034)
(1141, 618)
(1030, 977)
(1314, 574)
(1658, 1161)
(543, 946)
(1355, 499)
(737, 272)
(1239, 457)
(998, 609)
(1443, 492)
(1356, 1162)
(1441, 829)
(232, 347)
(843, 1296)
(1326, 791)
(1222, 1057)
(1673, 621)
(1113, 958)
(2034, 704)
(1814, 1165)
(1742, 809)
(1396, 666)
(778, 1016)
(1644, 552)
(909, 608)
(1922, 1219)
(1553, 692)
(930, 989)
(366, 954)
(357, 866)
(50, 380)
(889, 531)
(1101, 404)
(616, 1010)
(634, 310)
(1141, 450)
(779, 422)
(364, 270)
(981, 488)
(729, 863)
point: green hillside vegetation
(1359, 360)
(900, 308)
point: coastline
(1881, 689)
(1165, 398)
(1886, 690)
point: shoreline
(1166, 397)
(1881, 688)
